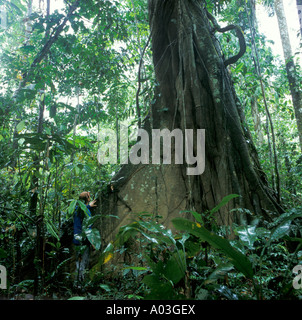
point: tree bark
(299, 9)
(40, 239)
(194, 92)
(290, 66)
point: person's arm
(92, 204)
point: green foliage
(167, 269)
(239, 260)
(246, 76)
(49, 130)
(50, 124)
(256, 264)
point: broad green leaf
(136, 268)
(247, 235)
(223, 202)
(150, 237)
(20, 126)
(71, 207)
(239, 67)
(159, 289)
(280, 231)
(89, 221)
(105, 287)
(293, 239)
(219, 272)
(77, 298)
(192, 248)
(109, 248)
(111, 216)
(27, 49)
(285, 221)
(239, 260)
(52, 230)
(124, 236)
(288, 216)
(176, 267)
(94, 237)
(196, 215)
(158, 232)
(83, 207)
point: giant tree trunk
(195, 91)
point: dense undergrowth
(197, 261)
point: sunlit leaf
(20, 126)
(136, 268)
(108, 257)
(247, 235)
(94, 237)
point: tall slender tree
(299, 9)
(290, 66)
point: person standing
(82, 247)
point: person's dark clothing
(78, 222)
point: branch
(139, 83)
(47, 47)
(239, 35)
